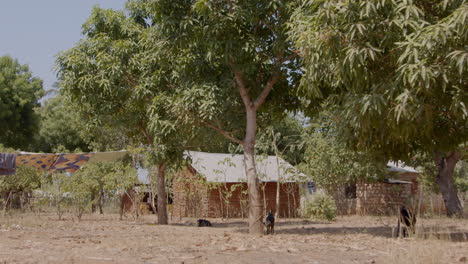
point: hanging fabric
(41, 161)
(70, 162)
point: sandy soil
(26, 238)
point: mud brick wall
(344, 205)
(193, 197)
(381, 198)
(190, 195)
(238, 203)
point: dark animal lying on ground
(406, 222)
(203, 222)
(270, 223)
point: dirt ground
(27, 238)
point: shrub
(320, 206)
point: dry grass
(418, 252)
(26, 238)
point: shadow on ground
(448, 233)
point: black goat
(406, 222)
(270, 223)
(203, 222)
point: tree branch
(273, 80)
(242, 90)
(223, 132)
(149, 138)
(290, 57)
(268, 87)
(266, 91)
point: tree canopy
(61, 127)
(394, 72)
(234, 70)
(19, 95)
(168, 68)
(330, 163)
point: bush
(320, 206)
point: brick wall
(237, 205)
(380, 198)
(192, 197)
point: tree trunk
(7, 198)
(162, 198)
(93, 199)
(101, 201)
(445, 163)
(122, 205)
(277, 185)
(255, 206)
(153, 206)
(264, 198)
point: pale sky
(34, 31)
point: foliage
(427, 177)
(54, 189)
(19, 95)
(61, 127)
(84, 188)
(170, 67)
(26, 179)
(320, 206)
(283, 139)
(330, 163)
(94, 180)
(111, 177)
(394, 71)
(395, 75)
(80, 190)
(117, 82)
(211, 43)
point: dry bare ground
(26, 238)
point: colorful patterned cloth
(41, 161)
(70, 162)
(65, 162)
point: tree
(232, 67)
(61, 127)
(22, 183)
(90, 183)
(396, 73)
(170, 66)
(330, 163)
(116, 78)
(19, 95)
(284, 140)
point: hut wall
(411, 177)
(226, 203)
(194, 197)
(381, 198)
(190, 195)
(345, 203)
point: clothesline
(65, 162)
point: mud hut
(214, 185)
(399, 186)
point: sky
(35, 31)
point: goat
(406, 221)
(270, 223)
(203, 222)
